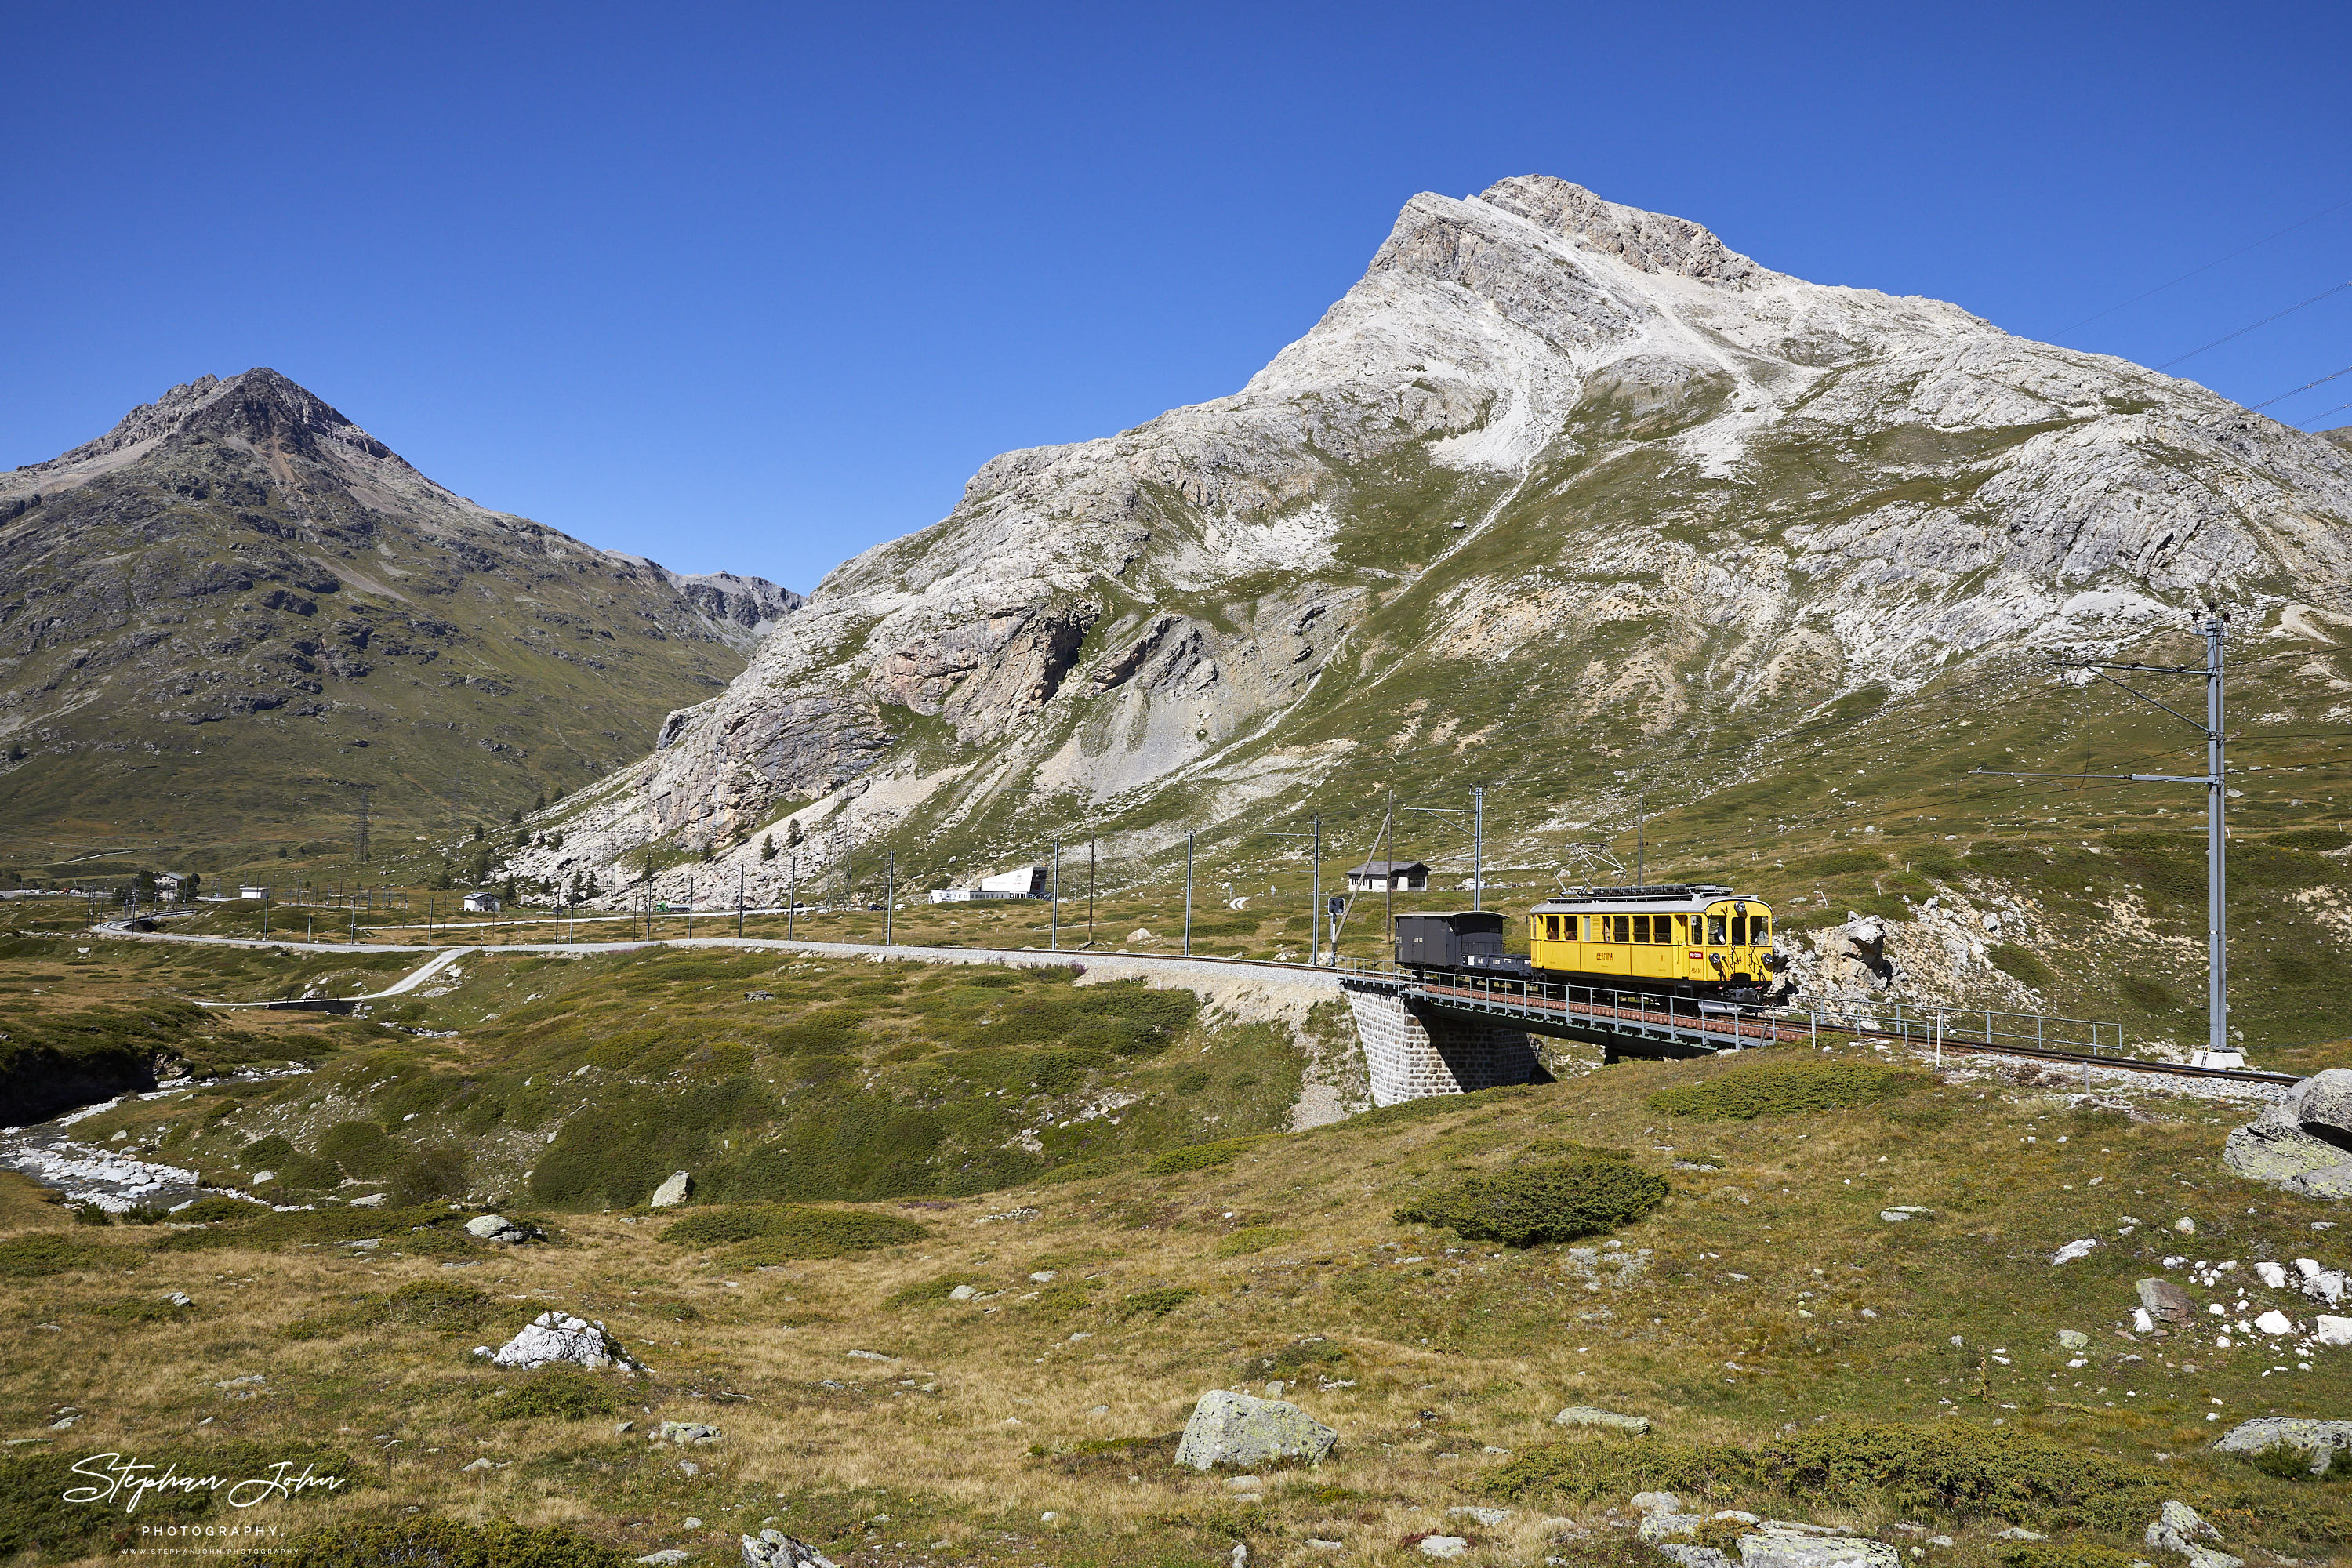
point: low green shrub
(48, 1252)
(784, 1232)
(1252, 1238)
(2066, 1554)
(1789, 1088)
(1957, 1468)
(1838, 863)
(362, 1148)
(565, 1393)
(1542, 1203)
(2288, 1463)
(396, 1541)
(438, 1304)
(1199, 1157)
(268, 1232)
(430, 1173)
(219, 1209)
(1592, 1470)
(2022, 965)
(1157, 1303)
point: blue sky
(757, 287)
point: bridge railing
(1735, 1025)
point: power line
(2209, 266)
(2265, 321)
(2306, 386)
(2331, 413)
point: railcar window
(1715, 934)
(1759, 929)
(1740, 931)
(1624, 926)
(1642, 929)
(1551, 927)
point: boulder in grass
(1774, 1549)
(2180, 1528)
(2167, 1302)
(672, 1192)
(554, 1337)
(1229, 1428)
(1591, 1415)
(497, 1228)
(2322, 1440)
(774, 1549)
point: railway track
(1737, 1029)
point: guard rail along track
(1602, 1014)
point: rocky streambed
(115, 1180)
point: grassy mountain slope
(223, 619)
(1572, 501)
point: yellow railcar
(1686, 939)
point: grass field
(1799, 1357)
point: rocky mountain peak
(260, 408)
(1654, 242)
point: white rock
(2074, 1249)
(2180, 1529)
(1228, 1428)
(497, 1227)
(774, 1549)
(1489, 1517)
(1443, 1546)
(2275, 1322)
(1593, 1416)
(2330, 1330)
(2271, 1274)
(963, 1293)
(373, 1201)
(560, 1337)
(1776, 1549)
(1655, 1502)
(672, 1192)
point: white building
(1022, 882)
(168, 886)
(482, 904)
(252, 892)
(1389, 877)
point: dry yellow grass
(982, 1423)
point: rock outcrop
(2303, 1144)
(553, 1337)
(2322, 1440)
